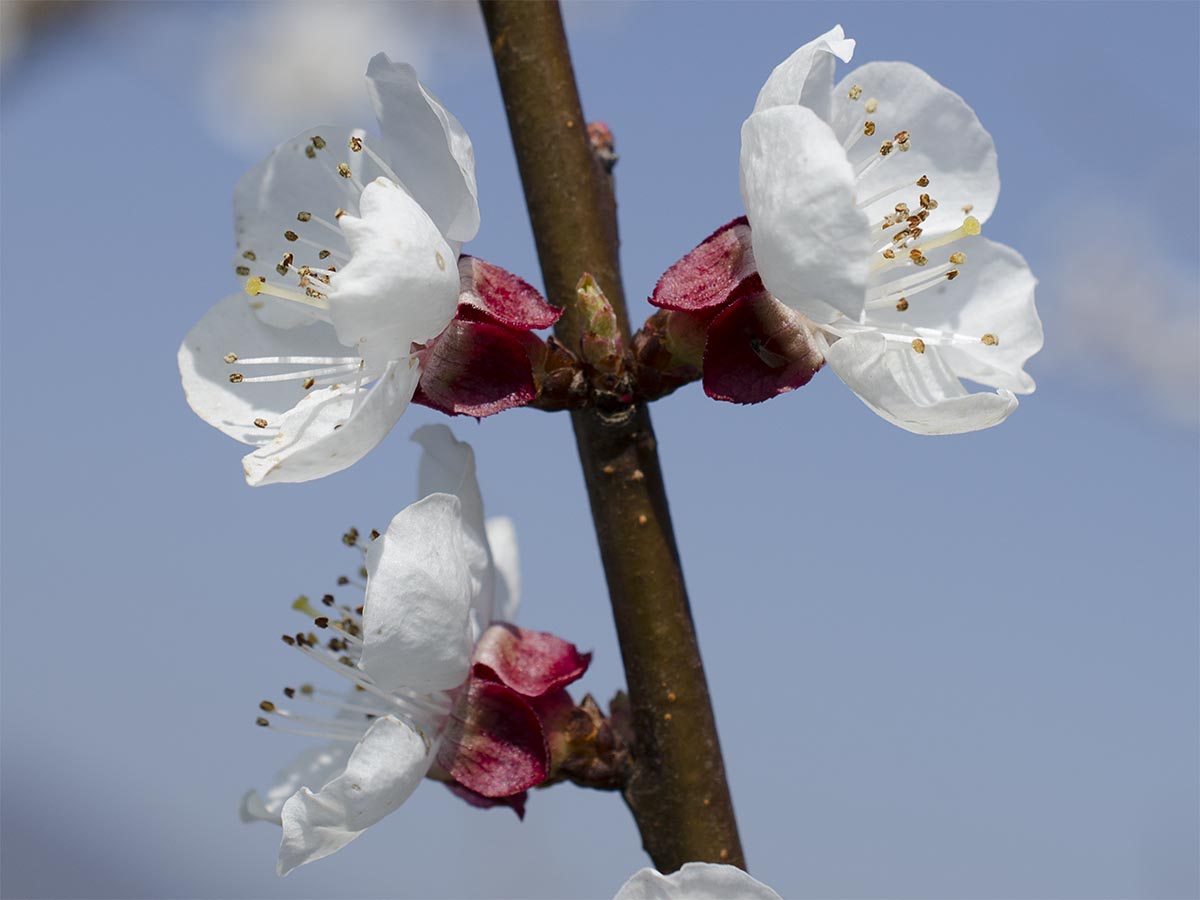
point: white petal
(416, 620)
(502, 538)
(447, 466)
(231, 327)
(696, 881)
(811, 243)
(269, 198)
(332, 428)
(992, 295)
(427, 147)
(314, 766)
(913, 390)
(806, 77)
(947, 143)
(384, 769)
(401, 284)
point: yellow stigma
(301, 604)
(971, 226)
(253, 286)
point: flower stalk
(677, 789)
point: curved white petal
(992, 295)
(383, 770)
(806, 77)
(314, 766)
(401, 284)
(811, 243)
(332, 428)
(231, 327)
(695, 881)
(913, 390)
(416, 619)
(947, 142)
(502, 538)
(448, 466)
(427, 147)
(268, 200)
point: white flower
(864, 201)
(435, 580)
(348, 248)
(695, 881)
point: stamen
(918, 345)
(296, 376)
(923, 181)
(990, 339)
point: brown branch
(677, 789)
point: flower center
(340, 653)
(904, 266)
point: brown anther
(901, 140)
(356, 143)
(350, 538)
(918, 345)
(249, 254)
(309, 382)
(324, 254)
(914, 233)
(967, 209)
(338, 213)
(900, 236)
(289, 640)
(374, 534)
(291, 236)
(321, 621)
(928, 202)
(310, 152)
(318, 142)
(855, 91)
(235, 377)
(267, 706)
(289, 692)
(902, 209)
(923, 181)
(342, 579)
(260, 423)
(885, 148)
(913, 221)
(990, 339)
(261, 720)
(328, 600)
(344, 170)
(642, 520)
(359, 609)
(952, 274)
(345, 661)
(901, 304)
(871, 105)
(919, 259)
(362, 573)
(230, 358)
(303, 216)
(958, 258)
(306, 690)
(889, 253)
(868, 128)
(242, 270)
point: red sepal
(493, 742)
(757, 348)
(532, 663)
(515, 802)
(707, 276)
(492, 294)
(476, 369)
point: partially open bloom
(695, 881)
(348, 249)
(861, 248)
(439, 686)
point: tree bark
(677, 789)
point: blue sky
(961, 667)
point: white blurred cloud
(1125, 310)
(274, 69)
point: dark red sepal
(476, 369)
(707, 276)
(493, 742)
(515, 802)
(757, 348)
(532, 663)
(492, 294)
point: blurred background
(958, 667)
